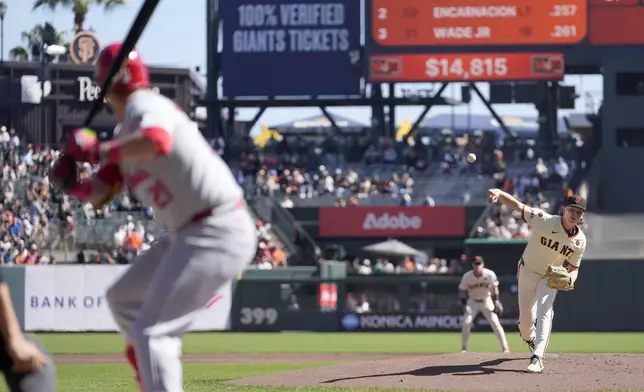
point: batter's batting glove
(83, 145)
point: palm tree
(34, 39)
(19, 54)
(80, 8)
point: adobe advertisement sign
(351, 222)
(290, 47)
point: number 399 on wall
(258, 316)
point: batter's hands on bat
(493, 195)
(64, 173)
(83, 145)
(25, 355)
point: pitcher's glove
(64, 173)
(559, 278)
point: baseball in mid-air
(471, 157)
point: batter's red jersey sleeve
(158, 127)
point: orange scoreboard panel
(478, 22)
(466, 67)
(616, 22)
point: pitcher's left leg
(528, 299)
(545, 314)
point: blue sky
(176, 37)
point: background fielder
(482, 287)
(554, 239)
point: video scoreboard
(491, 40)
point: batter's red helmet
(133, 74)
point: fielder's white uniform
(479, 289)
(548, 244)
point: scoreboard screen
(493, 40)
(616, 22)
(467, 67)
(478, 22)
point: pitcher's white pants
(487, 308)
(536, 301)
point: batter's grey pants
(43, 380)
(157, 299)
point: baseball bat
(139, 24)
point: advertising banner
(409, 322)
(291, 47)
(72, 298)
(443, 221)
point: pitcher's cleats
(536, 365)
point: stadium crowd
(38, 225)
(35, 221)
(29, 223)
(530, 188)
(410, 265)
(291, 169)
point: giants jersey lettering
(549, 243)
(190, 180)
(478, 287)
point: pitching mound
(493, 372)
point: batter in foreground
(555, 239)
(161, 156)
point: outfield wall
(71, 298)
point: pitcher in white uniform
(554, 239)
(479, 292)
(163, 158)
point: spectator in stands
(270, 252)
(346, 185)
(504, 223)
(287, 202)
(542, 169)
(429, 201)
(407, 265)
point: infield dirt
(480, 372)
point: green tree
(80, 8)
(34, 39)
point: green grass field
(209, 377)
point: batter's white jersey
(478, 287)
(549, 243)
(190, 180)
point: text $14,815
(450, 67)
